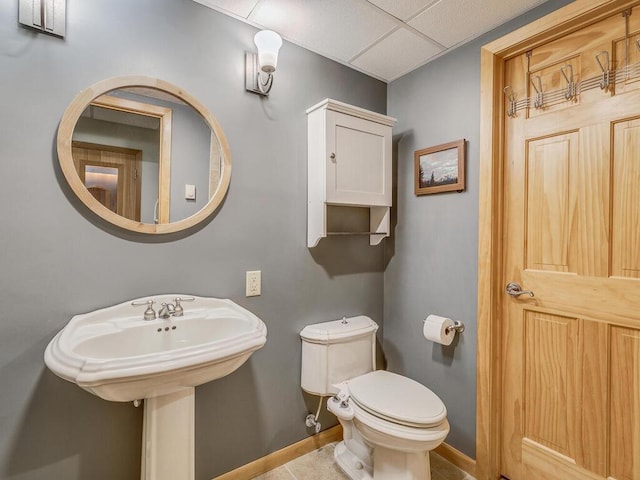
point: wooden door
(125, 199)
(570, 355)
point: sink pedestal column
(168, 436)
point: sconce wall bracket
(256, 81)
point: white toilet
(390, 422)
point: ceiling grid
(385, 39)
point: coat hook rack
(538, 101)
(571, 90)
(604, 66)
(512, 99)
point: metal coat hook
(538, 101)
(606, 73)
(511, 97)
(570, 92)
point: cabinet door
(358, 161)
(46, 15)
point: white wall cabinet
(349, 164)
(48, 16)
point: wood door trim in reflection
(164, 115)
(563, 21)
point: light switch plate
(190, 192)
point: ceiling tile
(397, 54)
(241, 8)
(334, 28)
(402, 9)
(382, 38)
(445, 22)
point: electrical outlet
(254, 283)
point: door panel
(129, 179)
(550, 202)
(593, 371)
(550, 381)
(626, 201)
(625, 404)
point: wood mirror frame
(65, 157)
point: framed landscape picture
(440, 168)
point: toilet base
(388, 464)
(350, 464)
(394, 465)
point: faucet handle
(179, 311)
(149, 313)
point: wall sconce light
(260, 66)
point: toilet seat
(397, 399)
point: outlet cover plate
(254, 283)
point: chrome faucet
(166, 310)
(174, 309)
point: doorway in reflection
(111, 124)
(113, 175)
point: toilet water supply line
(312, 421)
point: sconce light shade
(260, 67)
(268, 43)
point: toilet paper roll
(435, 327)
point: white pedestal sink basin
(117, 355)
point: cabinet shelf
(347, 220)
(349, 167)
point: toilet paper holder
(457, 326)
(441, 330)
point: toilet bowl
(390, 422)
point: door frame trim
(570, 18)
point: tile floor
(319, 465)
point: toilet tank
(335, 351)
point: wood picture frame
(440, 168)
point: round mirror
(144, 155)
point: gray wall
(57, 259)
(432, 260)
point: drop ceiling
(382, 38)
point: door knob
(515, 290)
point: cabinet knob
(332, 156)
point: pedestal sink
(117, 355)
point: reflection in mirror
(102, 183)
(128, 127)
(109, 173)
(145, 152)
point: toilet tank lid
(339, 330)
